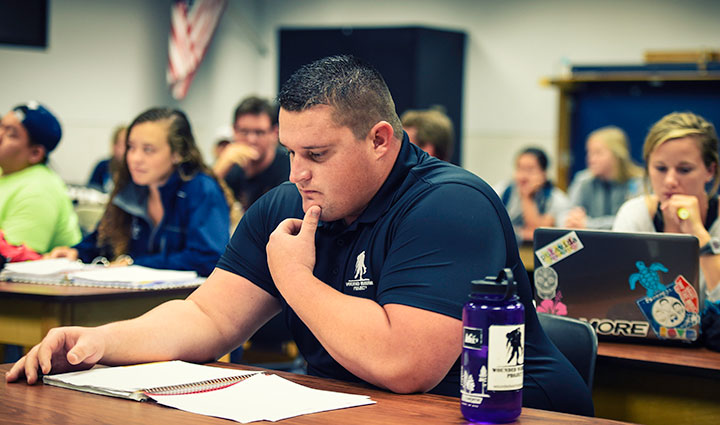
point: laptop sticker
(672, 312)
(546, 282)
(687, 294)
(559, 249)
(649, 277)
(553, 306)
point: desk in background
(652, 384)
(28, 311)
(45, 404)
(527, 256)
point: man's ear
(381, 135)
(711, 169)
(37, 154)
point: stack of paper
(137, 277)
(53, 271)
(263, 397)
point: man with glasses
(254, 163)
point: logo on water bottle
(506, 357)
(472, 393)
(473, 338)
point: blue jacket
(191, 236)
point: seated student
(166, 211)
(681, 163)
(531, 199)
(431, 130)
(254, 163)
(34, 206)
(610, 179)
(368, 254)
(103, 174)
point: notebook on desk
(628, 286)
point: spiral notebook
(239, 395)
(140, 382)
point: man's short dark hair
(354, 88)
(254, 105)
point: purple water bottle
(491, 375)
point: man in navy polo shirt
(368, 253)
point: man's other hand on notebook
(62, 350)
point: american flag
(192, 25)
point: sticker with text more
(559, 249)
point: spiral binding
(197, 387)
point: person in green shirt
(34, 206)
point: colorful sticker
(559, 249)
(669, 313)
(553, 306)
(648, 277)
(687, 293)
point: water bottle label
(506, 356)
(472, 390)
(472, 338)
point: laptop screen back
(639, 286)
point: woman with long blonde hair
(611, 178)
(681, 157)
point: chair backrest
(575, 339)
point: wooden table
(39, 404)
(28, 311)
(653, 384)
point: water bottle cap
(503, 284)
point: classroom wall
(512, 45)
(106, 62)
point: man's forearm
(174, 330)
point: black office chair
(272, 347)
(576, 340)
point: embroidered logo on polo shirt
(359, 283)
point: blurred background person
(611, 178)
(223, 137)
(681, 164)
(167, 210)
(103, 174)
(35, 209)
(254, 163)
(431, 130)
(531, 199)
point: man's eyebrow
(307, 148)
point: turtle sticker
(648, 277)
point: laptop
(641, 287)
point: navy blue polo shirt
(430, 229)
